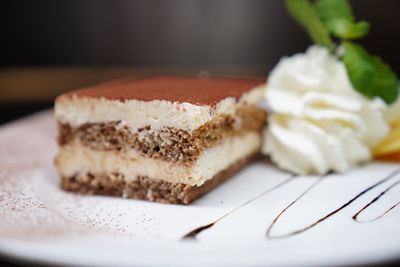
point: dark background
(170, 32)
(49, 46)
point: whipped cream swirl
(317, 121)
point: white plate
(38, 221)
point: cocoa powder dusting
(174, 88)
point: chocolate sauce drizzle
(268, 233)
(192, 234)
(355, 216)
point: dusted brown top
(191, 89)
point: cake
(163, 138)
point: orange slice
(390, 157)
(390, 147)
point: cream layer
(77, 159)
(157, 113)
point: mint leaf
(357, 30)
(329, 9)
(339, 20)
(306, 15)
(344, 29)
(385, 81)
(359, 67)
(369, 74)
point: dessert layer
(80, 108)
(200, 91)
(76, 159)
(143, 187)
(169, 144)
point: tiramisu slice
(162, 138)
